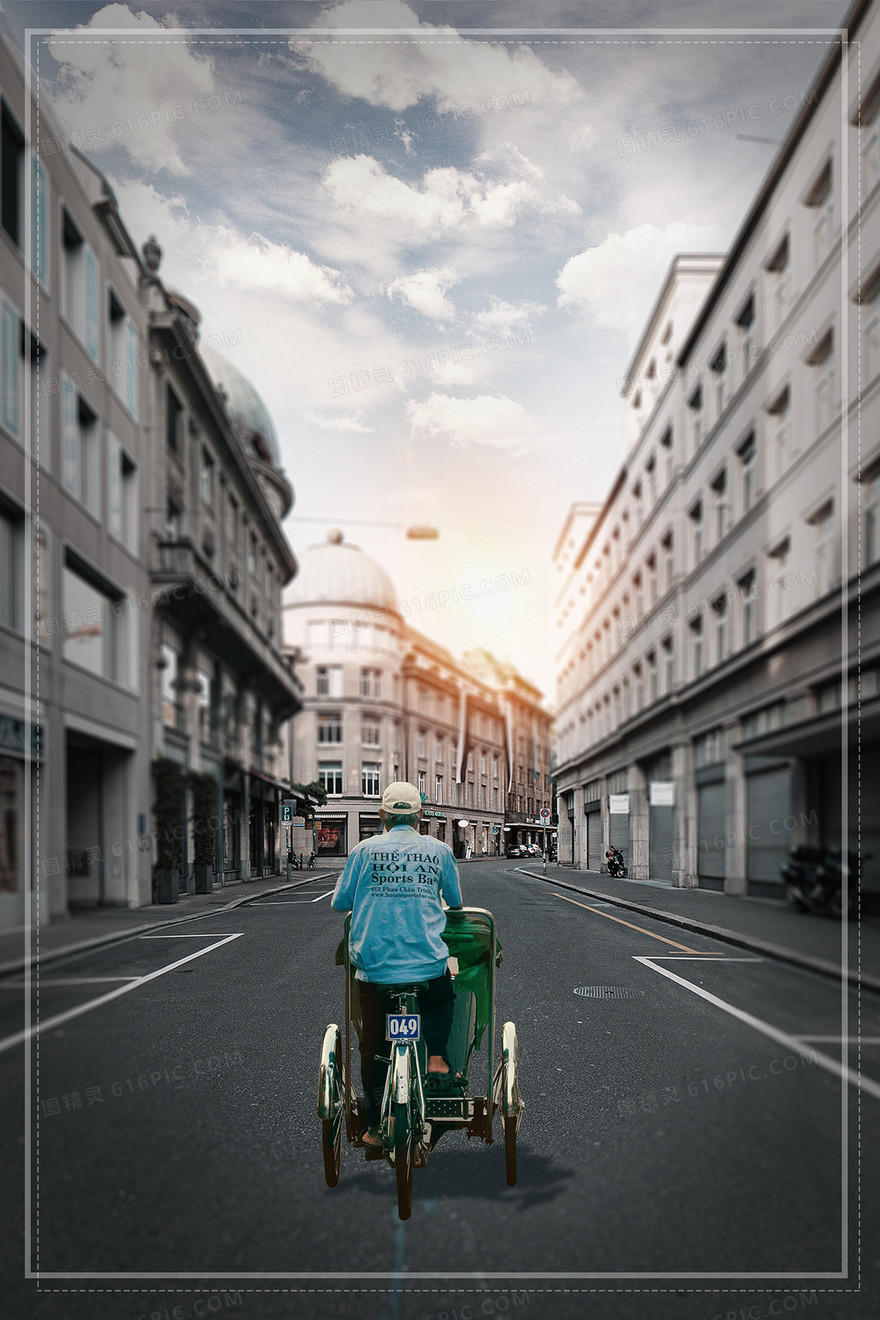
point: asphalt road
(689, 1147)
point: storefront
(332, 835)
(368, 826)
(232, 813)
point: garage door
(594, 840)
(711, 857)
(661, 821)
(769, 803)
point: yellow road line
(640, 929)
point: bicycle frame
(403, 1086)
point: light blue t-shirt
(392, 884)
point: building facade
(218, 561)
(74, 692)
(141, 554)
(713, 699)
(383, 702)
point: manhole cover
(608, 992)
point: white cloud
(437, 64)
(452, 373)
(501, 317)
(489, 419)
(425, 290)
(257, 263)
(448, 199)
(617, 281)
(342, 425)
(145, 89)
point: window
(12, 164)
(494, 799)
(438, 788)
(421, 744)
(822, 362)
(470, 759)
(39, 222)
(470, 795)
(696, 517)
(371, 682)
(169, 685)
(871, 355)
(123, 505)
(330, 726)
(696, 632)
(780, 431)
(780, 582)
(825, 549)
(638, 689)
(720, 505)
(695, 410)
(79, 447)
(638, 598)
(871, 515)
(666, 447)
(123, 354)
(821, 202)
(482, 763)
(637, 504)
(652, 677)
(746, 327)
(420, 782)
(11, 414)
(207, 477)
(709, 747)
(329, 680)
(651, 479)
(174, 423)
(330, 777)
(172, 521)
(870, 125)
(668, 665)
(438, 750)
(494, 767)
(718, 367)
(79, 286)
(719, 607)
(779, 272)
(91, 625)
(11, 568)
(746, 454)
(371, 731)
(370, 779)
(748, 597)
(668, 562)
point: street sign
(494, 829)
(618, 804)
(545, 813)
(287, 809)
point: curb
(778, 951)
(116, 937)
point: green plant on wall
(315, 790)
(169, 783)
(204, 816)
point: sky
(430, 234)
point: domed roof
(340, 574)
(249, 414)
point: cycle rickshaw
(411, 1122)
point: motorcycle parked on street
(814, 880)
(615, 863)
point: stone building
(384, 702)
(712, 696)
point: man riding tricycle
(420, 992)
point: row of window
(330, 776)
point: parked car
(517, 850)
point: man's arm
(450, 884)
(343, 894)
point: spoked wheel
(330, 1107)
(510, 1150)
(510, 1102)
(403, 1160)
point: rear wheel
(510, 1150)
(330, 1106)
(403, 1160)
(331, 1140)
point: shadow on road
(471, 1173)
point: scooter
(615, 863)
(814, 880)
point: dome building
(383, 702)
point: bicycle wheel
(330, 1106)
(510, 1149)
(403, 1159)
(331, 1141)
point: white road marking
(47, 1023)
(703, 957)
(62, 980)
(320, 896)
(782, 1037)
(180, 935)
(849, 1040)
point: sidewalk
(764, 925)
(99, 926)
